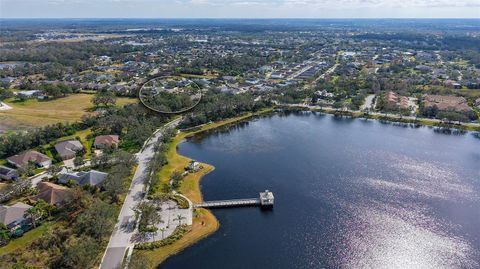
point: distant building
(276, 75)
(252, 81)
(8, 173)
(446, 103)
(52, 193)
(423, 68)
(21, 159)
(393, 101)
(29, 94)
(103, 141)
(92, 177)
(452, 84)
(68, 149)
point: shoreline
(204, 222)
(385, 117)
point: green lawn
(35, 113)
(27, 238)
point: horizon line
(243, 18)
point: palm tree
(163, 231)
(179, 218)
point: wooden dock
(229, 203)
(265, 200)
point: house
(52, 193)
(394, 101)
(28, 94)
(92, 177)
(445, 102)
(477, 103)
(10, 216)
(452, 84)
(68, 149)
(22, 159)
(423, 68)
(8, 173)
(103, 141)
(276, 75)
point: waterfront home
(92, 178)
(446, 103)
(22, 159)
(394, 101)
(68, 149)
(12, 215)
(104, 141)
(8, 173)
(52, 193)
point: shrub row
(176, 235)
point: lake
(349, 193)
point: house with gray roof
(68, 149)
(92, 177)
(8, 173)
(12, 215)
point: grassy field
(204, 222)
(35, 113)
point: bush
(179, 232)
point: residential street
(124, 230)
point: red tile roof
(52, 193)
(106, 140)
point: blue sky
(239, 9)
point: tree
(105, 98)
(147, 216)
(114, 185)
(5, 94)
(4, 234)
(124, 158)
(45, 207)
(175, 179)
(35, 213)
(27, 169)
(54, 169)
(80, 253)
(78, 161)
(163, 229)
(96, 221)
(179, 218)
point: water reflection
(357, 195)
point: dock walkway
(229, 203)
(265, 199)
